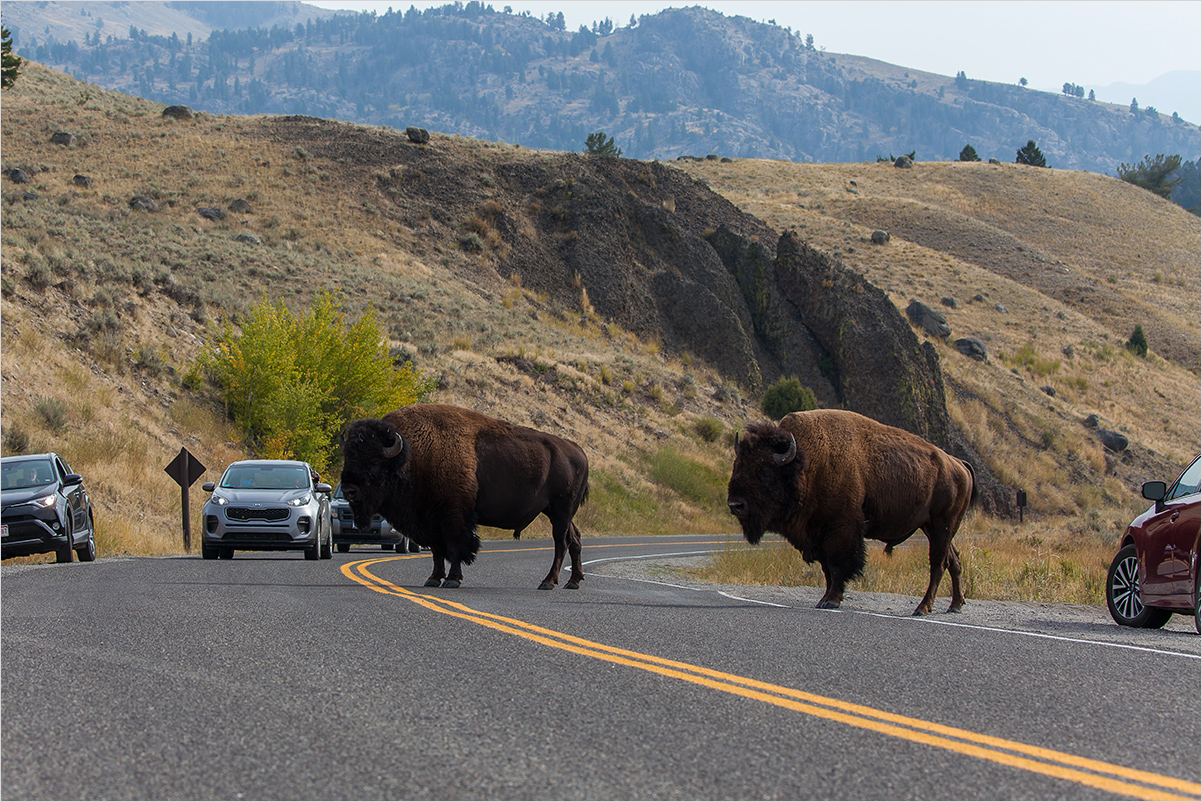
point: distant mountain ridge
(682, 82)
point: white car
(267, 505)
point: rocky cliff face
(661, 255)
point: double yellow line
(1125, 782)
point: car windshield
(266, 477)
(338, 493)
(1189, 482)
(26, 473)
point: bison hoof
(433, 582)
(828, 605)
(572, 585)
(921, 612)
(450, 583)
(955, 608)
(547, 586)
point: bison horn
(787, 457)
(397, 444)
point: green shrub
(293, 382)
(53, 413)
(1138, 344)
(709, 429)
(786, 396)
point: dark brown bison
(436, 471)
(826, 480)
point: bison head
(373, 454)
(764, 483)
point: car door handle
(1173, 518)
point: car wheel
(208, 552)
(64, 555)
(226, 552)
(327, 548)
(1197, 602)
(414, 548)
(1122, 593)
(314, 552)
(343, 548)
(87, 552)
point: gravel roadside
(1075, 621)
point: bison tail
(972, 479)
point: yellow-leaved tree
(292, 382)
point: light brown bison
(436, 471)
(826, 480)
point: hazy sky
(1085, 42)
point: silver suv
(267, 505)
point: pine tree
(11, 64)
(969, 154)
(597, 145)
(1153, 175)
(1031, 154)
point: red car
(1155, 573)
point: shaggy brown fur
(437, 471)
(825, 480)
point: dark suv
(345, 532)
(44, 509)
(1155, 572)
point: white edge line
(922, 619)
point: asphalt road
(271, 677)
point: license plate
(3, 530)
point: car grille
(280, 536)
(250, 514)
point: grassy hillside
(1075, 260)
(104, 309)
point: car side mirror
(72, 479)
(208, 487)
(1154, 491)
(322, 487)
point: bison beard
(826, 480)
(436, 471)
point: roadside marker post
(185, 469)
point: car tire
(225, 552)
(87, 552)
(208, 552)
(66, 553)
(327, 548)
(1122, 593)
(343, 548)
(1197, 601)
(414, 548)
(314, 552)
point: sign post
(1022, 502)
(185, 469)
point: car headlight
(44, 501)
(220, 501)
(299, 502)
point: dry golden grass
(157, 281)
(1142, 248)
(1056, 560)
(104, 310)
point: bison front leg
(440, 569)
(842, 559)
